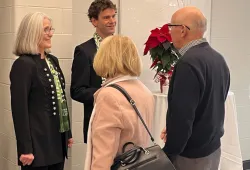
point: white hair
(202, 25)
(29, 34)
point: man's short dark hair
(98, 6)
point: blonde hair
(30, 34)
(117, 55)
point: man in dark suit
(84, 81)
(196, 97)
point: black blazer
(84, 81)
(35, 110)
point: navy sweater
(196, 103)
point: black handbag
(139, 158)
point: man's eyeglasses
(49, 30)
(177, 25)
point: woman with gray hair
(39, 107)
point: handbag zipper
(141, 163)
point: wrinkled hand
(26, 159)
(164, 134)
(70, 142)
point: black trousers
(58, 166)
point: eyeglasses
(177, 25)
(49, 30)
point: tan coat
(115, 122)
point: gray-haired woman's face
(48, 32)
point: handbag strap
(132, 102)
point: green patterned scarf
(62, 103)
(98, 39)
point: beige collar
(113, 81)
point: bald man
(196, 97)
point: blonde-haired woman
(114, 121)
(39, 107)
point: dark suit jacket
(84, 81)
(35, 110)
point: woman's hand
(26, 159)
(70, 142)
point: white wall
(230, 35)
(7, 136)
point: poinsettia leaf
(166, 45)
(156, 52)
(153, 54)
(165, 30)
(159, 68)
(153, 51)
(172, 58)
(153, 57)
(160, 50)
(169, 67)
(165, 59)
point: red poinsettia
(162, 53)
(157, 37)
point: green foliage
(166, 58)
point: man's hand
(26, 159)
(70, 142)
(164, 135)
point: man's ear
(94, 22)
(183, 32)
